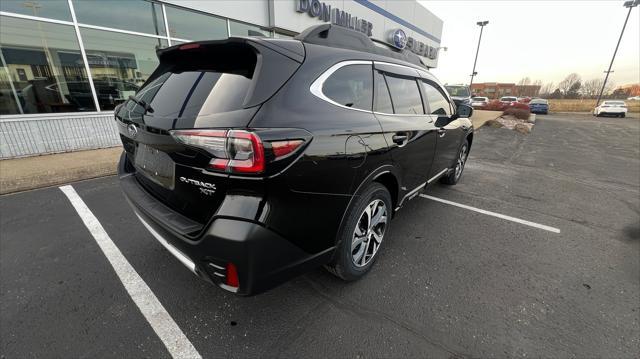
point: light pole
(630, 4)
(482, 24)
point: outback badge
(205, 188)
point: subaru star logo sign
(133, 130)
(399, 38)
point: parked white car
(479, 101)
(614, 108)
(508, 100)
(634, 98)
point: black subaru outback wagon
(253, 159)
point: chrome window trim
(417, 78)
(316, 86)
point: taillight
(233, 151)
(237, 151)
(283, 148)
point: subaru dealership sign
(337, 17)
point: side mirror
(464, 111)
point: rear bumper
(263, 258)
(539, 109)
(612, 111)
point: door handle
(442, 132)
(400, 138)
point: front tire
(623, 115)
(455, 172)
(366, 223)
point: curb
(23, 174)
(54, 178)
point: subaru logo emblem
(133, 130)
(399, 38)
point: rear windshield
(194, 93)
(538, 100)
(479, 99)
(509, 99)
(458, 91)
(209, 80)
(617, 103)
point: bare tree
(591, 88)
(524, 81)
(568, 83)
(537, 88)
(547, 89)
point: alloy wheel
(369, 232)
(462, 157)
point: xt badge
(205, 188)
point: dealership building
(65, 64)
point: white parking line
(494, 214)
(173, 338)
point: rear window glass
(538, 101)
(194, 93)
(405, 95)
(351, 86)
(458, 91)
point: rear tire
(360, 238)
(623, 115)
(455, 173)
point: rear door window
(382, 100)
(351, 86)
(405, 95)
(438, 103)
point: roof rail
(337, 36)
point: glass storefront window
(54, 9)
(120, 63)
(195, 26)
(43, 63)
(139, 15)
(242, 29)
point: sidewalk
(23, 174)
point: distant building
(495, 90)
(629, 90)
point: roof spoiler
(337, 36)
(290, 49)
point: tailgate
(203, 85)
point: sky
(544, 40)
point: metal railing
(38, 135)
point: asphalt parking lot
(450, 281)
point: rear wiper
(146, 106)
